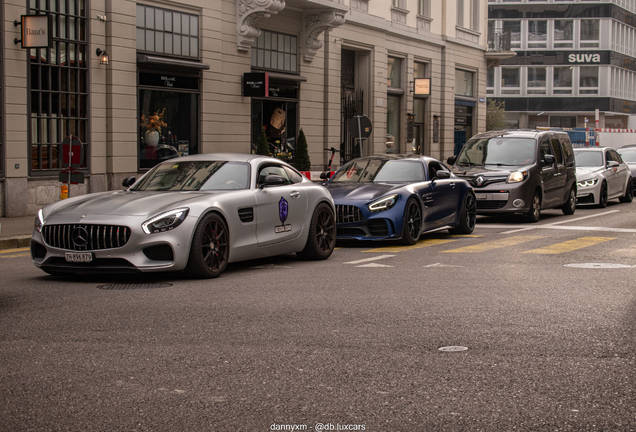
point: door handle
(294, 194)
(452, 185)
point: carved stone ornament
(247, 13)
(314, 24)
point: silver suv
(519, 171)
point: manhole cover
(452, 348)
(130, 286)
(598, 265)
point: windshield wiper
(502, 164)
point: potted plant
(153, 124)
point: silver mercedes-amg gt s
(194, 213)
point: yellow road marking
(570, 245)
(465, 235)
(508, 241)
(13, 250)
(418, 245)
(15, 256)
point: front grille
(350, 232)
(491, 204)
(585, 199)
(97, 263)
(348, 213)
(85, 236)
(486, 181)
(161, 252)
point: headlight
(383, 203)
(39, 221)
(517, 176)
(165, 221)
(587, 183)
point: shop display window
(167, 126)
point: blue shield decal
(282, 209)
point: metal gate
(351, 103)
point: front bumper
(503, 198)
(589, 194)
(355, 221)
(167, 251)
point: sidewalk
(16, 232)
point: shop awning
(164, 61)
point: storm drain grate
(130, 286)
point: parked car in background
(519, 171)
(387, 197)
(194, 214)
(628, 154)
(602, 175)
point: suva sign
(584, 58)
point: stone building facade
(177, 72)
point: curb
(15, 242)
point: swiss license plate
(481, 196)
(79, 257)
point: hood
(361, 191)
(584, 173)
(120, 203)
(489, 171)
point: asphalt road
(351, 343)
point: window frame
(259, 48)
(588, 90)
(166, 32)
(62, 110)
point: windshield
(195, 175)
(377, 170)
(588, 158)
(628, 156)
(498, 151)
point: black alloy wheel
(412, 224)
(210, 248)
(570, 205)
(629, 192)
(602, 201)
(322, 234)
(468, 217)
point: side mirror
(612, 164)
(128, 182)
(451, 160)
(550, 159)
(273, 180)
(442, 175)
(325, 175)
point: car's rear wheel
(534, 213)
(210, 248)
(570, 206)
(412, 223)
(602, 199)
(629, 192)
(322, 234)
(468, 217)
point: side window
(615, 156)
(433, 167)
(608, 156)
(272, 169)
(544, 149)
(294, 176)
(556, 148)
(568, 154)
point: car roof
(628, 146)
(526, 133)
(229, 157)
(393, 156)
(591, 148)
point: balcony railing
(498, 40)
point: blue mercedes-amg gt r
(386, 197)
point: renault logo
(79, 236)
(480, 180)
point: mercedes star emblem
(79, 236)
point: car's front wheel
(570, 205)
(468, 217)
(534, 213)
(412, 223)
(322, 234)
(629, 192)
(602, 200)
(210, 248)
